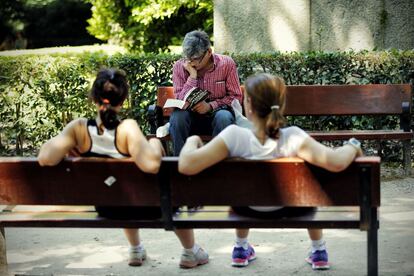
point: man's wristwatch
(354, 142)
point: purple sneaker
(318, 260)
(241, 257)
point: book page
(174, 103)
(189, 93)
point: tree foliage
(57, 23)
(149, 25)
(11, 15)
(46, 23)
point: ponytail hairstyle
(109, 90)
(267, 94)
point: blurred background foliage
(41, 93)
(137, 25)
(149, 25)
(45, 23)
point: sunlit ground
(60, 251)
(109, 49)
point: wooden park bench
(333, 100)
(345, 200)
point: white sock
(318, 245)
(242, 242)
(194, 249)
(136, 248)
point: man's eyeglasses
(199, 59)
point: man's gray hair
(195, 44)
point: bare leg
(132, 235)
(136, 255)
(193, 255)
(315, 234)
(243, 253)
(242, 233)
(186, 237)
(318, 257)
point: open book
(193, 97)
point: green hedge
(40, 94)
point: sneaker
(241, 257)
(136, 257)
(190, 260)
(318, 260)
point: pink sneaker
(241, 257)
(318, 260)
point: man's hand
(202, 107)
(190, 69)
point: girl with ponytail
(108, 136)
(264, 104)
(109, 91)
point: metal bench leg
(407, 156)
(369, 220)
(165, 196)
(3, 256)
(372, 235)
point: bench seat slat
(208, 217)
(339, 135)
(69, 218)
(362, 135)
(320, 219)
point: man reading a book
(202, 69)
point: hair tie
(274, 107)
(104, 105)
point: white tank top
(104, 144)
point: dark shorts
(280, 213)
(127, 212)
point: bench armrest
(152, 118)
(405, 117)
(155, 118)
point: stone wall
(299, 25)
(261, 25)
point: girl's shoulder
(77, 123)
(292, 130)
(128, 127)
(235, 135)
(128, 123)
(237, 130)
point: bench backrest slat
(287, 182)
(80, 181)
(77, 181)
(370, 99)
